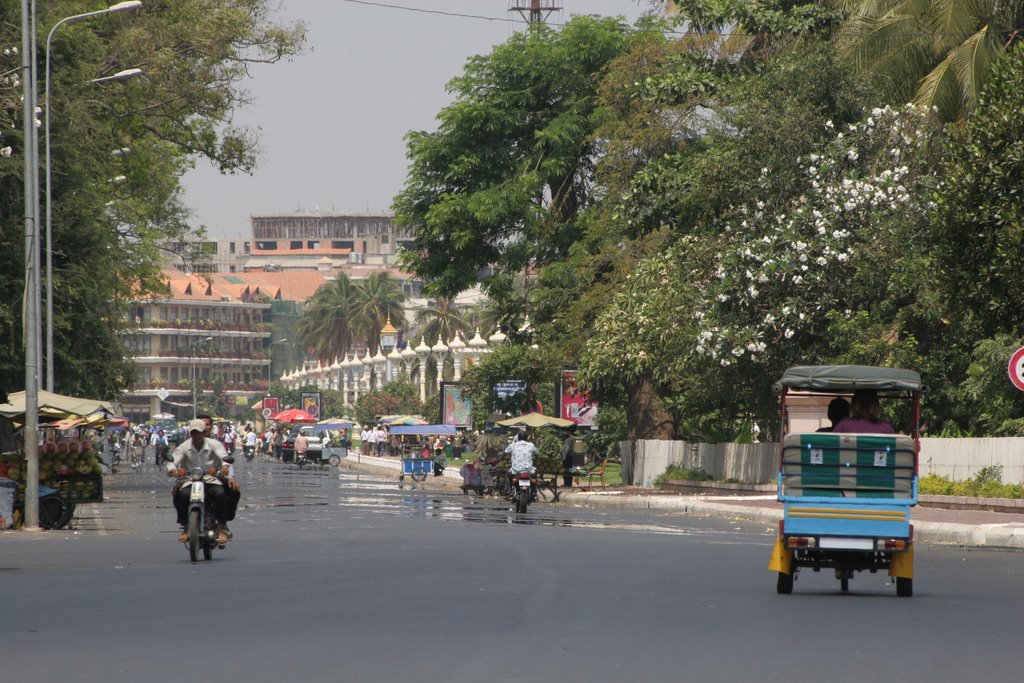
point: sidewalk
(974, 527)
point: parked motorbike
(524, 490)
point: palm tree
(936, 52)
(442, 318)
(378, 298)
(327, 323)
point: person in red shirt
(865, 415)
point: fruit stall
(70, 470)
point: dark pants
(159, 454)
(567, 463)
(214, 494)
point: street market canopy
(422, 430)
(334, 424)
(845, 378)
(535, 420)
(54, 406)
(402, 420)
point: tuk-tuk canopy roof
(839, 378)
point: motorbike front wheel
(194, 529)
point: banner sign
(574, 403)
(510, 396)
(311, 403)
(456, 407)
(272, 404)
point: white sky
(332, 121)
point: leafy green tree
(394, 398)
(502, 180)
(979, 219)
(441, 319)
(378, 298)
(328, 323)
(536, 367)
(107, 236)
(939, 53)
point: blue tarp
(420, 430)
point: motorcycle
(524, 487)
(202, 522)
(300, 459)
(250, 452)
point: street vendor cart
(415, 464)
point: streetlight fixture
(127, 73)
(388, 335)
(270, 359)
(192, 352)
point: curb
(940, 533)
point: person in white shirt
(206, 454)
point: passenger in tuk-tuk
(838, 408)
(866, 415)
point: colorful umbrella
(294, 415)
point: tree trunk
(647, 416)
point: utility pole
(536, 12)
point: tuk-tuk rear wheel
(784, 583)
(904, 587)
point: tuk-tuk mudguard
(902, 564)
(782, 558)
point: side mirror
(229, 460)
(167, 456)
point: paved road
(341, 576)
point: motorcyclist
(522, 452)
(205, 453)
(250, 441)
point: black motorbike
(202, 520)
(250, 452)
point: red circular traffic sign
(1016, 368)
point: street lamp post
(128, 73)
(270, 359)
(192, 354)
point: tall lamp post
(270, 360)
(192, 349)
(128, 73)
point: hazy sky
(333, 120)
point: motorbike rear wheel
(522, 500)
(194, 529)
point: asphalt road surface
(337, 576)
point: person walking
(160, 446)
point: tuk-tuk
(846, 496)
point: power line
(631, 29)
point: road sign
(266, 412)
(163, 394)
(1016, 368)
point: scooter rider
(205, 453)
(522, 453)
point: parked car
(313, 434)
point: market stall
(69, 464)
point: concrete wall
(958, 459)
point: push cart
(416, 468)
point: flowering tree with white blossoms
(835, 273)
